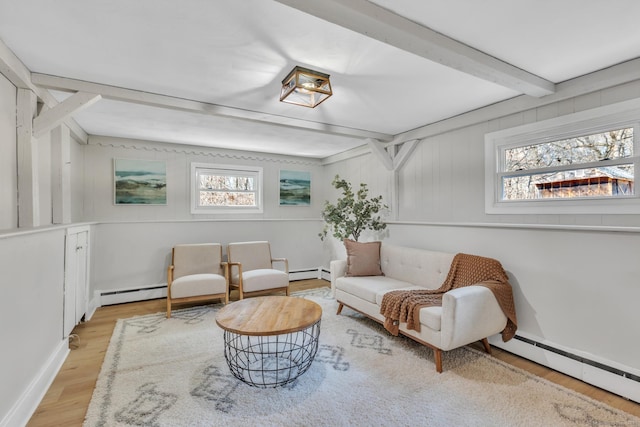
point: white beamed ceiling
(208, 73)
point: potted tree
(352, 213)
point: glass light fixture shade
(305, 87)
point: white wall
(44, 179)
(575, 278)
(77, 181)
(98, 180)
(132, 244)
(30, 317)
(137, 254)
(570, 287)
(8, 172)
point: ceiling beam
(187, 105)
(49, 119)
(383, 25)
(616, 75)
(18, 74)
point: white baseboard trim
(125, 295)
(607, 375)
(92, 306)
(28, 402)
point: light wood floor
(67, 400)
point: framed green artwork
(295, 188)
(140, 182)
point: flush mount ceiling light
(305, 87)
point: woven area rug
(172, 372)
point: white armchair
(251, 269)
(197, 273)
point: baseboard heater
(580, 359)
(120, 296)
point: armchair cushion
(262, 279)
(198, 284)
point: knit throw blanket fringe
(404, 306)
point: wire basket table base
(272, 360)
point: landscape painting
(295, 188)
(140, 182)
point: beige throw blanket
(466, 270)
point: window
(581, 163)
(226, 189)
(596, 165)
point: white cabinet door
(75, 277)
(82, 242)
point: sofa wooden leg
(437, 353)
(340, 308)
(487, 346)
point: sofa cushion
(368, 287)
(363, 259)
(429, 316)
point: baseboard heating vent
(129, 295)
(305, 274)
(126, 291)
(580, 359)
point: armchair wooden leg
(339, 309)
(168, 308)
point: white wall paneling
(31, 318)
(574, 275)
(78, 177)
(28, 166)
(137, 254)
(567, 290)
(44, 183)
(61, 174)
(8, 172)
(98, 182)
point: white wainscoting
(572, 289)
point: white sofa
(467, 314)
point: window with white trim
(581, 163)
(225, 189)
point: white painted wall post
(61, 174)
(27, 151)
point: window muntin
(593, 165)
(218, 188)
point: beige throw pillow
(363, 259)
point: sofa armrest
(338, 268)
(469, 314)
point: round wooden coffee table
(270, 341)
